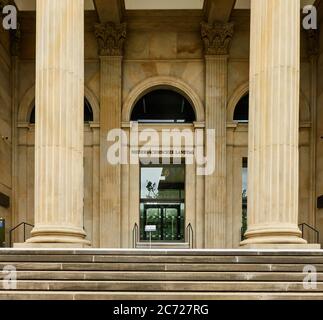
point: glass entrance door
(162, 202)
(168, 220)
(173, 222)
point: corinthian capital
(217, 37)
(110, 37)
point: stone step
(166, 286)
(161, 252)
(163, 259)
(63, 295)
(151, 267)
(162, 276)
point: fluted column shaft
(59, 122)
(217, 38)
(110, 180)
(215, 184)
(274, 123)
(111, 38)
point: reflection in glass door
(162, 202)
(152, 215)
(168, 219)
(172, 230)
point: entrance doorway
(162, 202)
(167, 219)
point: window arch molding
(88, 113)
(242, 90)
(163, 106)
(239, 93)
(27, 104)
(169, 83)
(241, 111)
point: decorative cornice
(111, 38)
(312, 42)
(217, 37)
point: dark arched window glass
(32, 116)
(241, 112)
(88, 113)
(163, 106)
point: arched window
(241, 111)
(32, 118)
(163, 106)
(88, 113)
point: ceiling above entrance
(164, 5)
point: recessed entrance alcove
(163, 194)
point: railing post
(312, 229)
(135, 236)
(189, 235)
(16, 227)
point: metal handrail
(311, 228)
(190, 235)
(135, 233)
(16, 227)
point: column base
(274, 240)
(274, 246)
(273, 236)
(27, 245)
(57, 237)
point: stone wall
(319, 136)
(5, 124)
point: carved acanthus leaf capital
(111, 38)
(217, 37)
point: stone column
(110, 38)
(313, 54)
(217, 38)
(274, 123)
(59, 123)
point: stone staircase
(160, 274)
